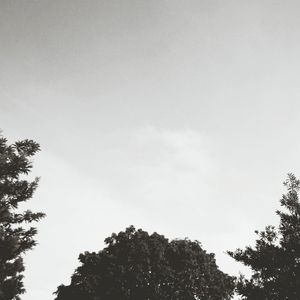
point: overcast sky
(180, 117)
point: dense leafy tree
(137, 266)
(15, 238)
(275, 258)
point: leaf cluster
(15, 239)
(275, 258)
(136, 265)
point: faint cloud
(160, 167)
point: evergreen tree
(275, 259)
(137, 266)
(15, 238)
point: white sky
(175, 116)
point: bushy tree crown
(137, 266)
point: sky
(180, 117)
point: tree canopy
(15, 239)
(275, 258)
(137, 266)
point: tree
(137, 266)
(15, 238)
(275, 259)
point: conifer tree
(15, 238)
(275, 258)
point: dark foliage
(275, 259)
(15, 239)
(136, 265)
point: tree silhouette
(137, 266)
(15, 239)
(275, 259)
